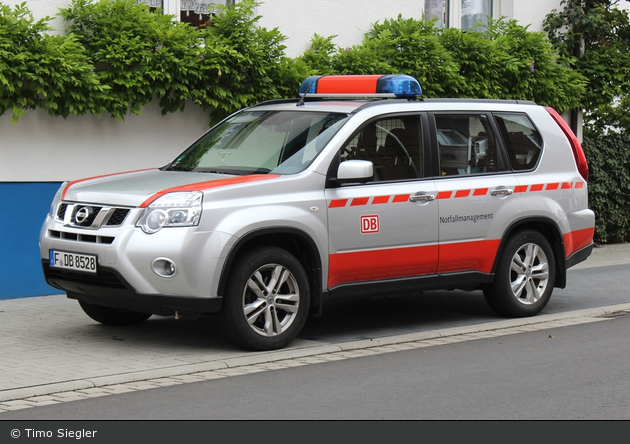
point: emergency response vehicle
(356, 188)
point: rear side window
(522, 140)
(465, 144)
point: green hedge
(504, 61)
(38, 70)
(608, 157)
(116, 56)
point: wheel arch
(296, 242)
(551, 231)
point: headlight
(172, 210)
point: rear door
(477, 197)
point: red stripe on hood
(199, 186)
(63, 195)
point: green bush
(608, 158)
(503, 61)
(141, 54)
(38, 70)
(253, 66)
(117, 56)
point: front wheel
(524, 277)
(113, 316)
(266, 299)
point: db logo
(370, 224)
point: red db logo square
(370, 224)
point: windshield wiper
(242, 171)
(214, 171)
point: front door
(385, 229)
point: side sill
(383, 287)
(468, 280)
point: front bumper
(108, 288)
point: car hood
(140, 188)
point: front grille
(90, 216)
(77, 237)
(61, 211)
(117, 217)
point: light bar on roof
(395, 85)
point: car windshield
(283, 142)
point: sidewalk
(50, 346)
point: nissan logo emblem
(82, 215)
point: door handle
(501, 191)
(422, 196)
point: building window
(199, 12)
(475, 12)
(436, 9)
(465, 14)
(195, 12)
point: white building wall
(349, 20)
(41, 148)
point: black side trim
(467, 280)
(110, 289)
(383, 287)
(464, 280)
(579, 256)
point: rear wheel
(266, 299)
(113, 316)
(524, 277)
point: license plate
(73, 261)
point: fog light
(164, 267)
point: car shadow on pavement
(379, 317)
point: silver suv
(356, 188)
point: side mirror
(355, 171)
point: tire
(113, 316)
(266, 300)
(524, 277)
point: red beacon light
(400, 86)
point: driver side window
(392, 145)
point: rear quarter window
(522, 140)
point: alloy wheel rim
(271, 300)
(529, 274)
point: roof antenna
(301, 101)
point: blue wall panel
(25, 208)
